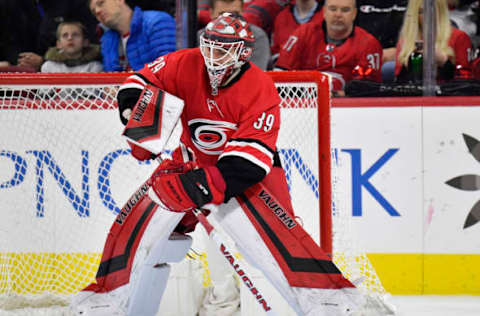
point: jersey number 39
(264, 122)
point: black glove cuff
(196, 185)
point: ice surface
(431, 305)
(422, 305)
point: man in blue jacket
(134, 37)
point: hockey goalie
(226, 165)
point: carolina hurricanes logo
(210, 136)
(326, 61)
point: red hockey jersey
(242, 120)
(307, 49)
(285, 24)
(262, 13)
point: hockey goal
(63, 171)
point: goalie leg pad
(305, 301)
(269, 237)
(95, 302)
(250, 244)
(128, 244)
(122, 244)
(302, 261)
(152, 278)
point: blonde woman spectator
(453, 48)
(73, 52)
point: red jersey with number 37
(307, 49)
(243, 120)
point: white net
(65, 172)
(62, 164)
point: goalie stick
(233, 262)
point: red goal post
(322, 103)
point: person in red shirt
(227, 162)
(261, 13)
(335, 46)
(453, 48)
(291, 17)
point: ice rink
(406, 306)
(437, 305)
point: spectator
(335, 46)
(261, 13)
(463, 17)
(168, 6)
(476, 68)
(261, 47)
(383, 19)
(73, 52)
(16, 33)
(34, 25)
(453, 48)
(134, 37)
(291, 17)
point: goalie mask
(226, 44)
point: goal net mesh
(65, 172)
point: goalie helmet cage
(63, 165)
